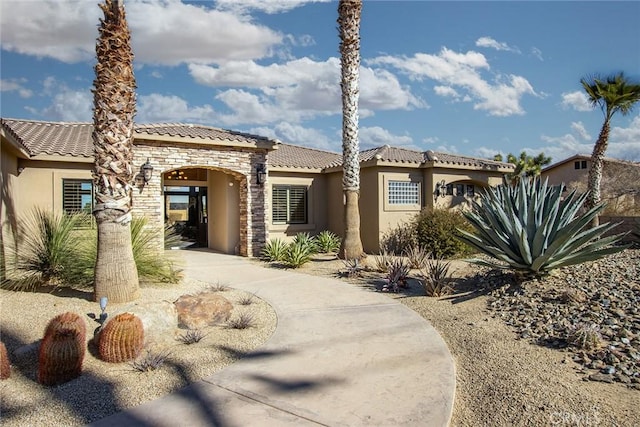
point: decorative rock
(202, 310)
(603, 378)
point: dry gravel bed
(104, 388)
(505, 378)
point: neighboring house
(620, 186)
(232, 189)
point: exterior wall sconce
(146, 170)
(441, 189)
(261, 173)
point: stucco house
(233, 189)
(620, 185)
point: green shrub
(327, 242)
(436, 232)
(305, 239)
(298, 254)
(151, 265)
(532, 229)
(274, 251)
(398, 240)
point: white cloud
(266, 6)
(67, 104)
(537, 53)
(16, 85)
(576, 100)
(624, 143)
(462, 71)
(165, 32)
(298, 135)
(579, 129)
(447, 92)
(298, 89)
(162, 108)
(376, 136)
(493, 44)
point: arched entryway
(204, 204)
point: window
(459, 189)
(580, 164)
(471, 191)
(289, 204)
(449, 189)
(583, 164)
(77, 195)
(576, 165)
(404, 193)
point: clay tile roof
(301, 157)
(445, 158)
(74, 139)
(196, 131)
(392, 154)
(67, 139)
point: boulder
(202, 310)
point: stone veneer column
(239, 162)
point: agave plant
(305, 240)
(327, 242)
(532, 229)
(275, 250)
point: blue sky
(472, 78)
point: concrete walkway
(340, 356)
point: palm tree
(525, 165)
(349, 12)
(114, 105)
(612, 94)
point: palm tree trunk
(595, 171)
(349, 12)
(116, 276)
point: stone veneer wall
(241, 163)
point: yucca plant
(397, 275)
(327, 242)
(46, 250)
(382, 261)
(532, 229)
(435, 278)
(275, 250)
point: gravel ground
(513, 364)
(105, 388)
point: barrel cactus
(62, 349)
(5, 364)
(532, 229)
(121, 339)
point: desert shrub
(299, 253)
(242, 321)
(352, 267)
(417, 257)
(192, 336)
(396, 241)
(274, 251)
(152, 266)
(436, 232)
(246, 299)
(327, 242)
(172, 237)
(397, 275)
(47, 252)
(434, 278)
(218, 287)
(382, 261)
(150, 361)
(533, 228)
(305, 240)
(585, 336)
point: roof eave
(266, 144)
(15, 144)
